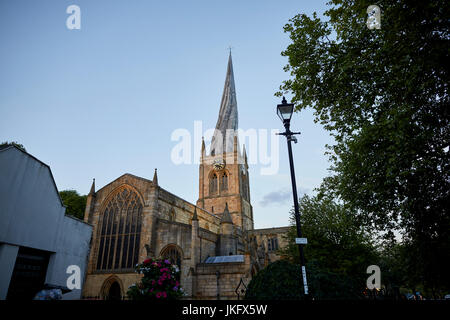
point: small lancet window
(213, 184)
(224, 185)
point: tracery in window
(120, 231)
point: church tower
(223, 174)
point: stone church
(213, 242)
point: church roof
(228, 115)
(225, 259)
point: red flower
(147, 261)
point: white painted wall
(32, 215)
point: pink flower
(158, 295)
(164, 295)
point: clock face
(218, 164)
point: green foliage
(328, 285)
(280, 280)
(160, 281)
(75, 203)
(383, 95)
(6, 144)
(339, 249)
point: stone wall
(97, 285)
(220, 280)
(262, 235)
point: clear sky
(104, 100)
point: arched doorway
(112, 289)
(114, 292)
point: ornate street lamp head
(285, 110)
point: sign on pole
(305, 284)
(301, 241)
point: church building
(213, 242)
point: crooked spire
(228, 116)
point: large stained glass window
(120, 231)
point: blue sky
(104, 100)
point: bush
(280, 280)
(160, 281)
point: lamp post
(285, 111)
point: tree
(383, 95)
(280, 280)
(339, 249)
(6, 144)
(74, 202)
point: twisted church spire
(227, 122)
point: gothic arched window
(224, 182)
(172, 253)
(213, 184)
(120, 231)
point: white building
(38, 242)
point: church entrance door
(114, 291)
